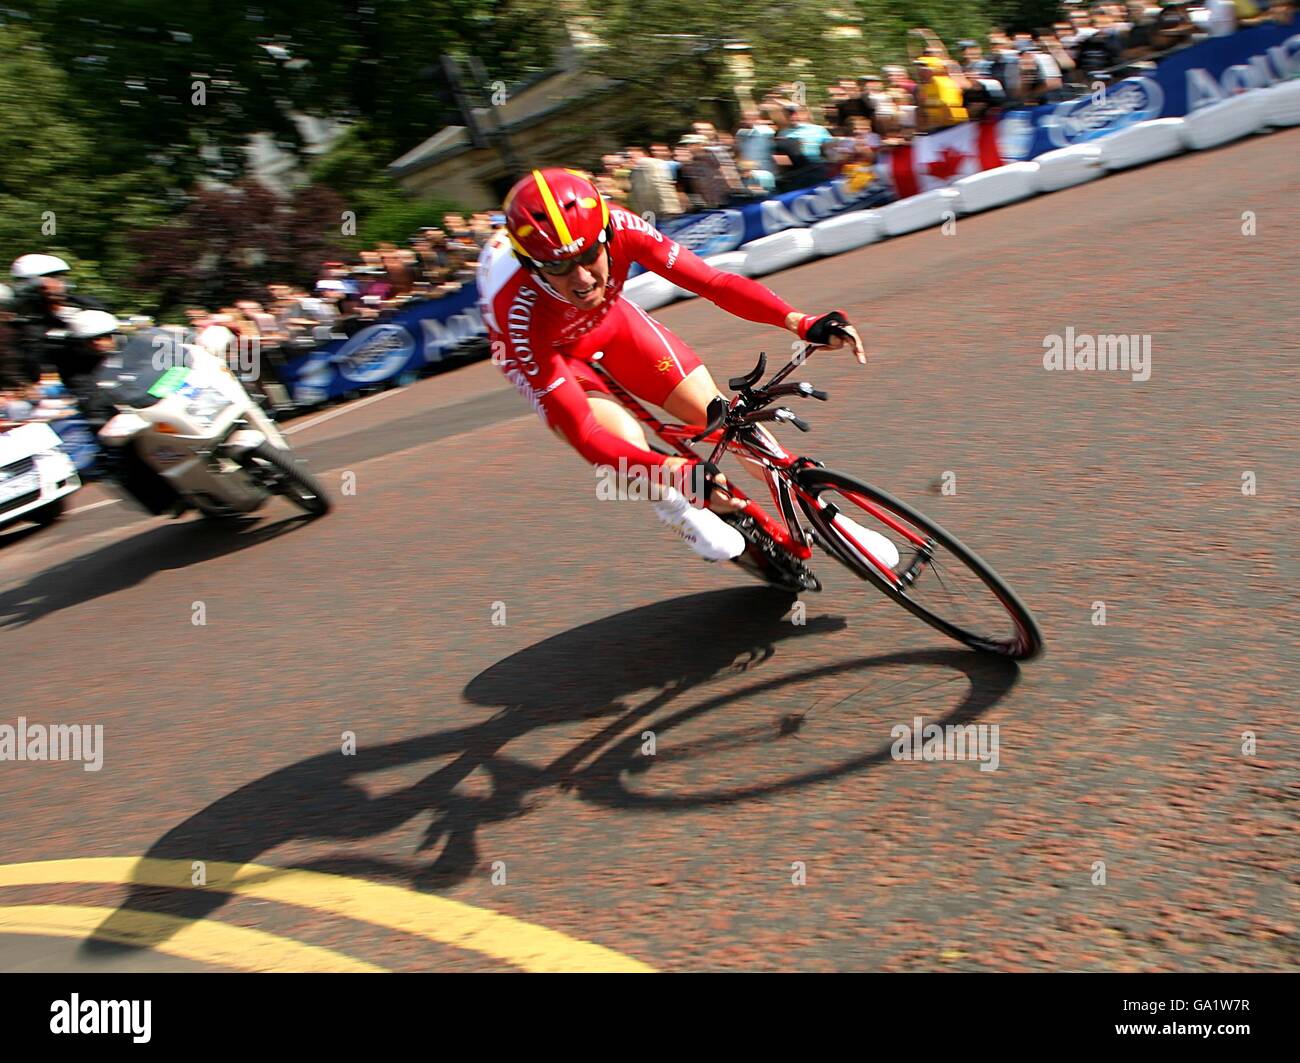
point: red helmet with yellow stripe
(555, 214)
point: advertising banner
(712, 232)
(423, 333)
(1183, 81)
(78, 441)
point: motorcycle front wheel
(282, 475)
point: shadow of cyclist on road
(590, 672)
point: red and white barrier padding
(770, 254)
(1281, 104)
(650, 291)
(731, 262)
(1224, 122)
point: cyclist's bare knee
(689, 401)
(614, 417)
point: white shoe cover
(708, 535)
(882, 549)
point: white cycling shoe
(708, 535)
(881, 548)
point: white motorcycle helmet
(27, 268)
(91, 324)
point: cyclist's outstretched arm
(741, 296)
(735, 294)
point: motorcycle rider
(92, 337)
(73, 334)
(43, 306)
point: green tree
(355, 167)
(57, 194)
(114, 113)
(187, 83)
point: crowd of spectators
(782, 141)
(34, 402)
(346, 297)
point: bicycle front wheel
(928, 571)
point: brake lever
(717, 411)
(782, 414)
(779, 414)
(802, 389)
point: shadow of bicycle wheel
(788, 738)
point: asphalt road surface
(502, 646)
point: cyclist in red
(550, 293)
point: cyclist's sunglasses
(568, 265)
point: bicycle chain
(786, 566)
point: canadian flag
(938, 159)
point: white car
(35, 475)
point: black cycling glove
(820, 330)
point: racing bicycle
(935, 576)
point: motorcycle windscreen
(149, 365)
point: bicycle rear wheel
(928, 571)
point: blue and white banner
(418, 336)
(1182, 82)
(712, 232)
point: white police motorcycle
(186, 416)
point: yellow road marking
(438, 919)
(201, 940)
